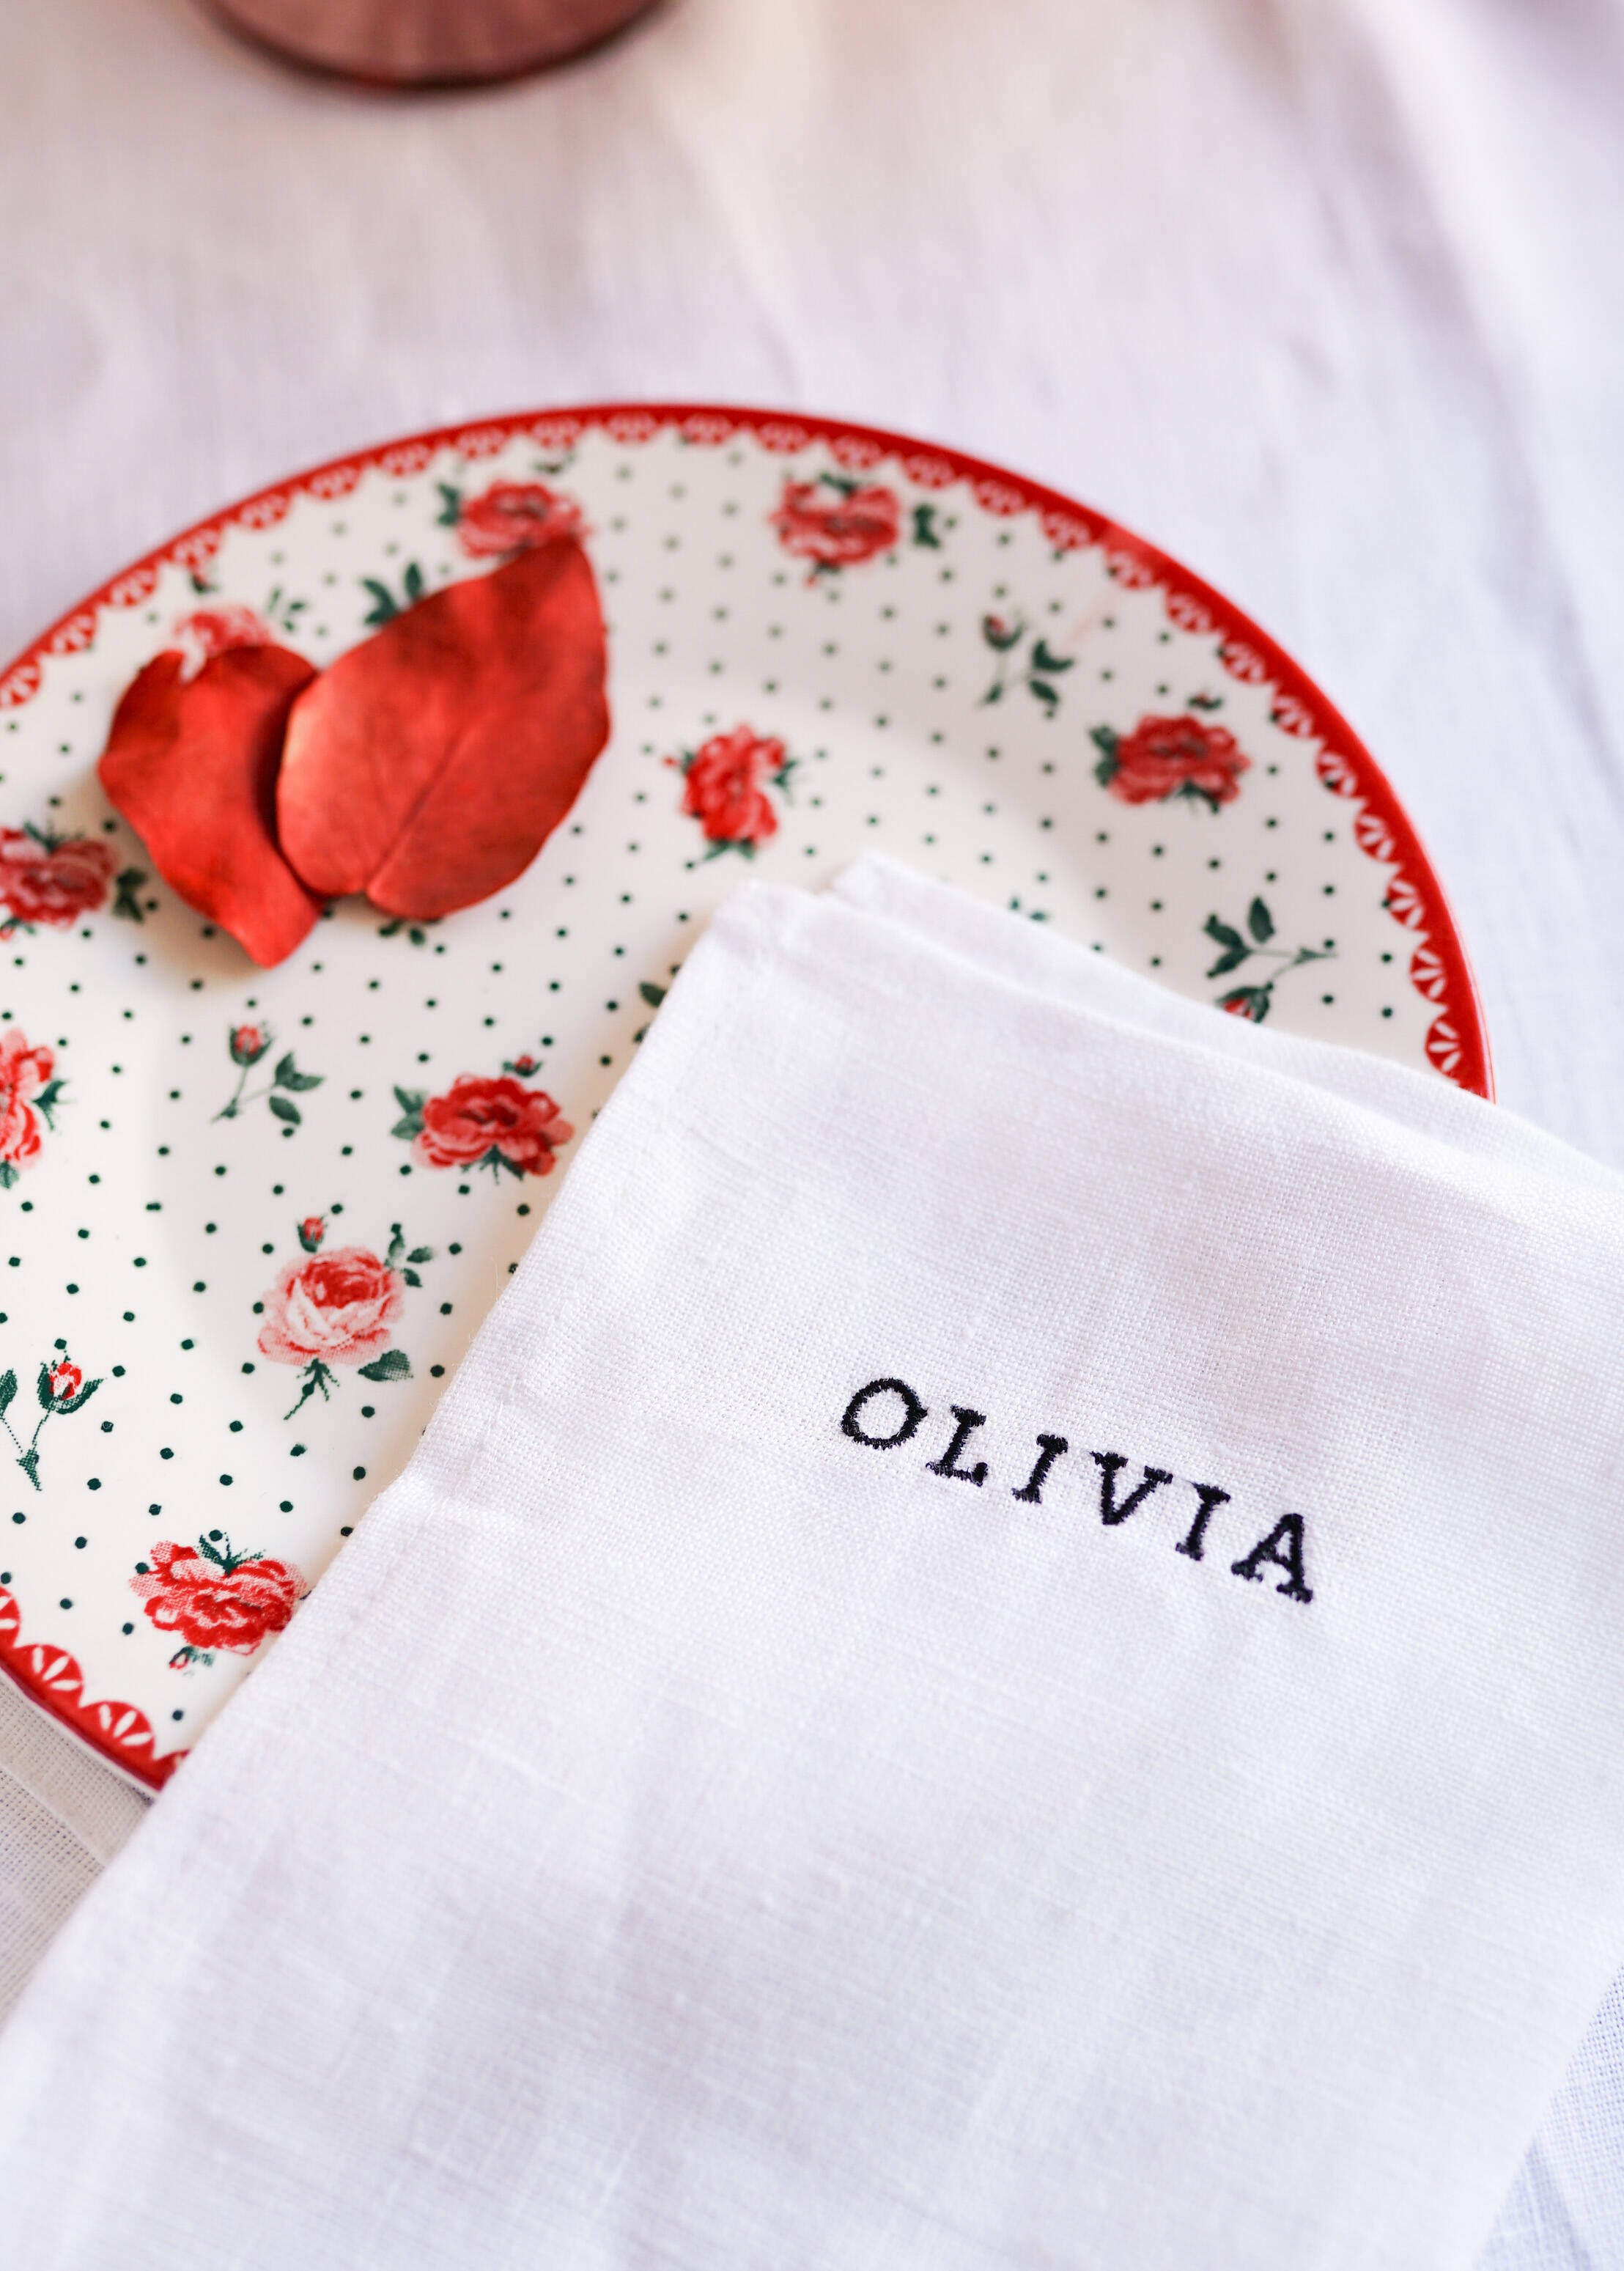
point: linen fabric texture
(679, 1830)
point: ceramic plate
(251, 1218)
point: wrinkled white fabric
(736, 1803)
(1566, 2205)
(1323, 294)
(62, 1816)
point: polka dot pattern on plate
(249, 1220)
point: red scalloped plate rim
(1457, 1044)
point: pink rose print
(209, 631)
(215, 1598)
(484, 1124)
(27, 1093)
(724, 788)
(1165, 757)
(510, 516)
(50, 879)
(340, 1308)
(836, 523)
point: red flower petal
(429, 765)
(192, 766)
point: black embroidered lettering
(1050, 1448)
(1111, 1464)
(1210, 1496)
(913, 1412)
(1283, 1547)
(948, 1463)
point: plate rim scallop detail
(1456, 1042)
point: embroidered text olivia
(884, 1414)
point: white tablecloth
(1327, 296)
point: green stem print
(283, 612)
(247, 1044)
(280, 611)
(61, 1387)
(1036, 671)
(126, 894)
(385, 607)
(1253, 1000)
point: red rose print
(52, 880)
(724, 789)
(248, 1044)
(494, 1123)
(1172, 757)
(837, 524)
(66, 1381)
(27, 1093)
(312, 1231)
(215, 1598)
(335, 1308)
(210, 631)
(525, 1066)
(511, 516)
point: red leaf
(192, 766)
(429, 765)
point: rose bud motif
(312, 1231)
(249, 1043)
(60, 1389)
(50, 879)
(1249, 1001)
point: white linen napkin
(1004, 1652)
(1029, 954)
